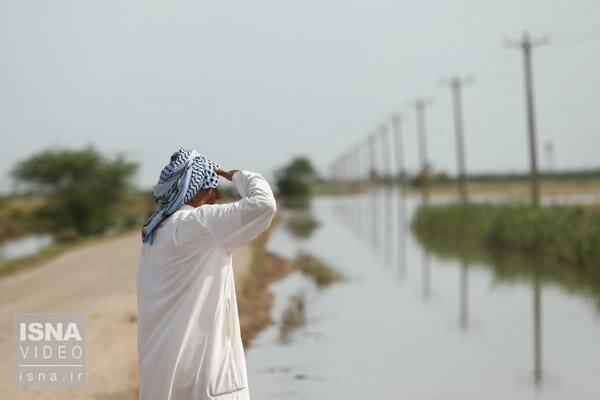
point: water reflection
(384, 332)
(24, 246)
(380, 218)
(464, 296)
(426, 277)
(402, 230)
(388, 225)
(537, 332)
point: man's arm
(237, 223)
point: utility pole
(373, 172)
(526, 44)
(385, 150)
(367, 161)
(397, 133)
(344, 163)
(420, 106)
(549, 146)
(456, 84)
(357, 164)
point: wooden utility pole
(420, 106)
(357, 164)
(373, 172)
(526, 44)
(397, 133)
(385, 150)
(367, 157)
(456, 84)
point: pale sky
(252, 84)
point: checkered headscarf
(179, 182)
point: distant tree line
(295, 180)
(83, 188)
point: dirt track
(98, 280)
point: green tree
(83, 187)
(296, 179)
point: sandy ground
(98, 280)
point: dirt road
(98, 280)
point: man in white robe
(189, 341)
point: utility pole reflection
(537, 332)
(401, 227)
(464, 296)
(374, 209)
(426, 276)
(389, 225)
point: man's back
(189, 341)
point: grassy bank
(255, 300)
(566, 234)
(322, 274)
(557, 245)
(512, 185)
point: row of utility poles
(360, 162)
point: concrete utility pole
(372, 137)
(526, 44)
(549, 146)
(351, 165)
(456, 84)
(397, 133)
(357, 163)
(420, 106)
(344, 168)
(366, 160)
(385, 150)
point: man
(189, 342)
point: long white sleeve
(237, 223)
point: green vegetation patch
(321, 273)
(294, 317)
(302, 225)
(295, 181)
(82, 188)
(555, 245)
(567, 234)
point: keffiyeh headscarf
(179, 182)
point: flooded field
(24, 246)
(408, 324)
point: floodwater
(409, 325)
(24, 246)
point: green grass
(557, 245)
(322, 274)
(302, 225)
(293, 317)
(567, 234)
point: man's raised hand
(226, 174)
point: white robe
(189, 343)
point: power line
(495, 75)
(582, 37)
(489, 61)
(574, 21)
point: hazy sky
(252, 84)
